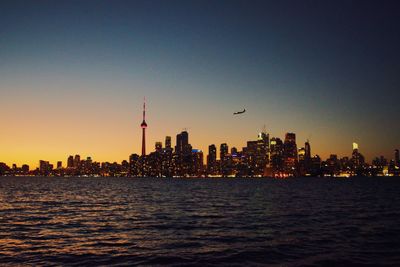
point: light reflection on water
(199, 221)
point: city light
(264, 157)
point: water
(128, 221)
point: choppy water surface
(128, 221)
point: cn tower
(144, 126)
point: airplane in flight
(239, 112)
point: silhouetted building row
(263, 157)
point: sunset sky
(73, 75)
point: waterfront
(128, 221)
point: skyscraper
(183, 153)
(357, 158)
(178, 146)
(168, 142)
(144, 126)
(262, 154)
(234, 151)
(158, 147)
(25, 169)
(290, 154)
(306, 164)
(45, 167)
(225, 159)
(290, 149)
(212, 159)
(307, 148)
(197, 168)
(396, 157)
(276, 155)
(182, 143)
(355, 146)
(134, 168)
(77, 161)
(301, 153)
(185, 143)
(223, 151)
(70, 162)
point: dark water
(127, 221)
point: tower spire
(144, 126)
(144, 108)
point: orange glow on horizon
(108, 128)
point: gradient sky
(73, 75)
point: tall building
(87, 165)
(212, 159)
(168, 142)
(355, 146)
(306, 164)
(290, 146)
(276, 155)
(250, 153)
(276, 146)
(262, 154)
(25, 169)
(307, 147)
(166, 158)
(225, 160)
(357, 159)
(70, 162)
(186, 147)
(332, 165)
(158, 147)
(223, 151)
(234, 151)
(77, 161)
(396, 157)
(59, 164)
(178, 144)
(197, 156)
(183, 154)
(144, 126)
(301, 153)
(134, 168)
(290, 152)
(45, 167)
(4, 169)
(182, 143)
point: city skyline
(74, 75)
(145, 147)
(267, 156)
